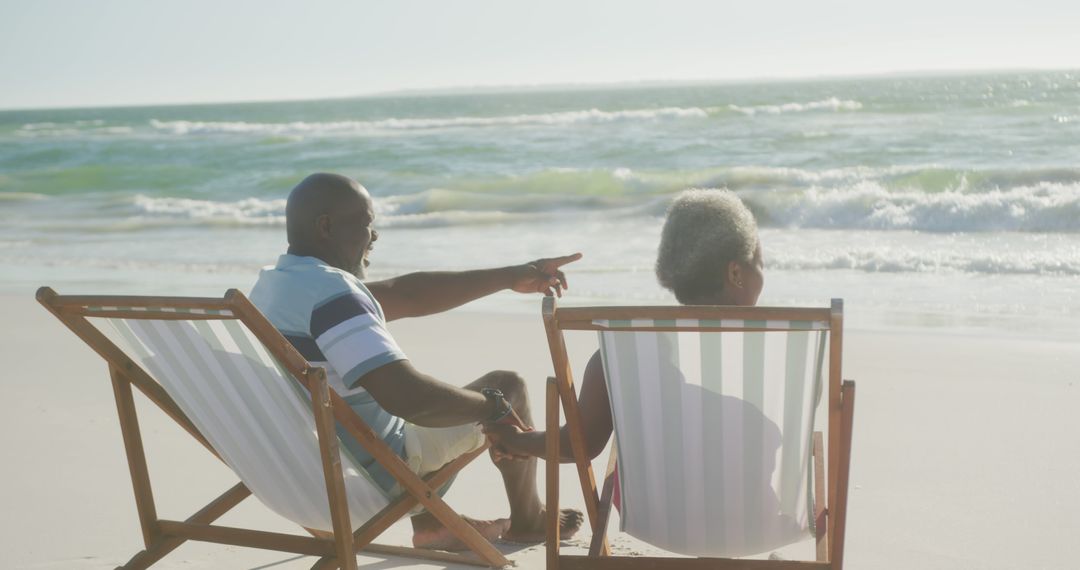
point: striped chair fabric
(251, 410)
(713, 431)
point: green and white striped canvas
(713, 431)
(252, 411)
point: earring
(738, 283)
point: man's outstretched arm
(430, 292)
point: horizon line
(485, 89)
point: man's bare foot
(569, 524)
(431, 534)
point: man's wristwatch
(502, 405)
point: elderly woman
(709, 255)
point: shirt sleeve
(352, 335)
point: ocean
(950, 202)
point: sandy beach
(965, 450)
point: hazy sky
(111, 52)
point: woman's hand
(506, 441)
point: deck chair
(713, 412)
(231, 380)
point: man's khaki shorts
(427, 449)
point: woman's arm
(595, 420)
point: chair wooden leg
(425, 554)
(840, 514)
(206, 515)
(326, 564)
(401, 505)
(465, 532)
(835, 409)
(147, 558)
(407, 552)
(345, 548)
(552, 470)
(599, 538)
(413, 484)
(820, 514)
(140, 476)
(584, 469)
(564, 377)
(335, 483)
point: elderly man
(315, 297)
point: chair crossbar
(581, 318)
(281, 542)
(84, 301)
(655, 328)
(572, 562)
(206, 515)
(405, 502)
(148, 314)
(425, 554)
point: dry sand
(966, 450)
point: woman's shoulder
(595, 365)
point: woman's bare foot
(569, 524)
(429, 533)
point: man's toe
(570, 521)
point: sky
(77, 53)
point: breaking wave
(846, 210)
(354, 127)
(19, 196)
(830, 104)
(187, 211)
(912, 260)
(1042, 207)
(180, 127)
(883, 200)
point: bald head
(329, 216)
(318, 195)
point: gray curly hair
(705, 230)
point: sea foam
(361, 127)
(19, 196)
(879, 259)
(1042, 207)
(71, 129)
(786, 198)
(249, 211)
(830, 104)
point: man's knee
(510, 383)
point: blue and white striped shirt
(335, 322)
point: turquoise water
(943, 201)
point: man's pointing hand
(543, 275)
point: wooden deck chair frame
(162, 536)
(829, 512)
